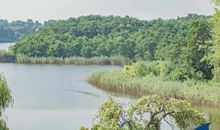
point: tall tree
(216, 40)
(5, 100)
(112, 116)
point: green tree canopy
(5, 100)
(147, 113)
(184, 42)
(216, 40)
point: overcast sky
(62, 9)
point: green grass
(196, 92)
(115, 60)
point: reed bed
(116, 60)
(196, 92)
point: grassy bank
(196, 92)
(22, 59)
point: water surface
(57, 97)
(52, 97)
(5, 46)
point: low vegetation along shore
(7, 57)
(115, 60)
(194, 91)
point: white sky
(62, 9)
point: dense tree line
(93, 35)
(12, 31)
(184, 42)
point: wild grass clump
(103, 60)
(39, 60)
(196, 92)
(116, 60)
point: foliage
(5, 100)
(154, 68)
(109, 116)
(12, 31)
(182, 43)
(216, 40)
(180, 111)
(217, 2)
(103, 60)
(196, 92)
(147, 113)
(83, 128)
(164, 69)
(136, 69)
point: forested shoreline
(183, 42)
(175, 51)
(184, 46)
(95, 35)
(191, 71)
(160, 74)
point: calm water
(52, 97)
(5, 46)
(57, 97)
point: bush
(136, 69)
(164, 69)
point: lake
(57, 97)
(5, 46)
(52, 97)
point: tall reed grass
(116, 60)
(196, 92)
